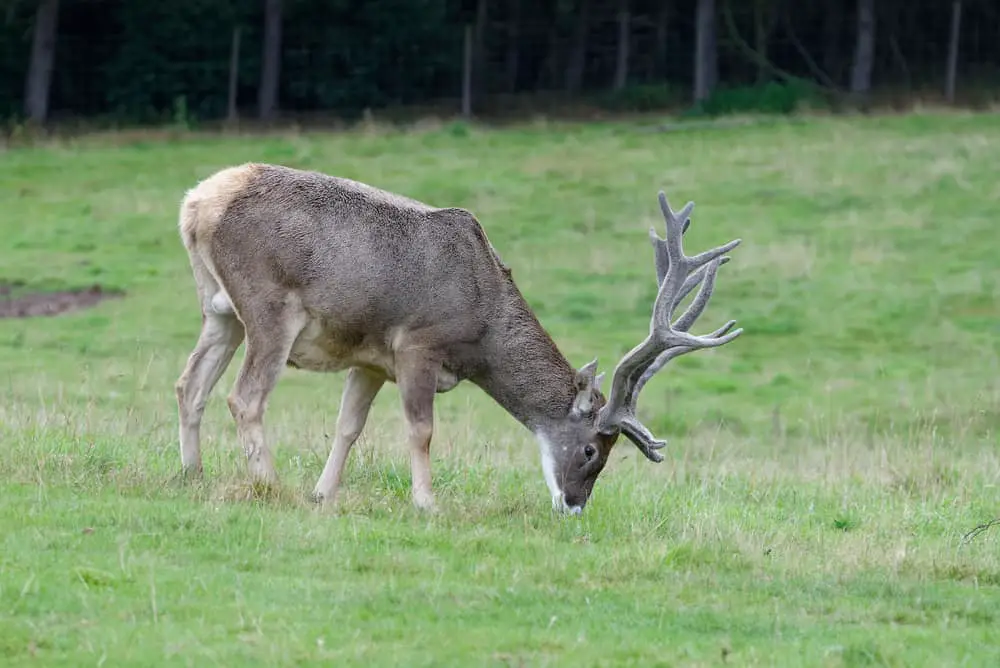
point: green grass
(820, 472)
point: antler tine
(662, 261)
(674, 218)
(661, 257)
(639, 434)
(686, 321)
(709, 255)
(700, 301)
(670, 252)
(677, 351)
(677, 275)
(696, 278)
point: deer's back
(369, 266)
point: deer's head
(575, 449)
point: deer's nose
(573, 503)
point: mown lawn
(821, 470)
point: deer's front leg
(417, 379)
(360, 390)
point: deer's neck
(523, 370)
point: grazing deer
(325, 274)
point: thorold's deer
(325, 274)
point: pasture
(820, 471)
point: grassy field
(820, 474)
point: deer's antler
(677, 275)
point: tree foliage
(137, 59)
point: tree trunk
(660, 46)
(624, 30)
(234, 75)
(267, 95)
(513, 55)
(547, 76)
(43, 56)
(765, 19)
(578, 48)
(951, 73)
(706, 68)
(831, 40)
(864, 50)
(467, 60)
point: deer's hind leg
(271, 328)
(221, 334)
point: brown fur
(328, 274)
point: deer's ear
(584, 383)
(585, 375)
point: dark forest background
(154, 60)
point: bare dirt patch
(17, 302)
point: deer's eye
(589, 451)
